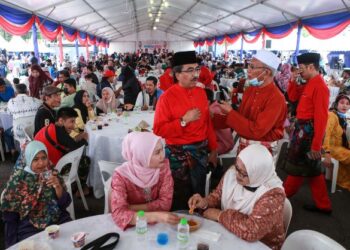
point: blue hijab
(31, 150)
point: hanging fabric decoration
(48, 29)
(82, 38)
(232, 38)
(325, 27)
(69, 33)
(255, 34)
(91, 39)
(15, 22)
(279, 32)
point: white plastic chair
(2, 153)
(106, 169)
(334, 174)
(310, 240)
(207, 183)
(232, 153)
(287, 214)
(280, 144)
(29, 131)
(73, 158)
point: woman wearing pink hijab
(143, 182)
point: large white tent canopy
(189, 19)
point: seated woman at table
(336, 143)
(143, 182)
(31, 200)
(249, 199)
(108, 103)
(85, 111)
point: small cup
(119, 111)
(53, 231)
(78, 239)
(47, 174)
(99, 126)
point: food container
(53, 231)
(78, 239)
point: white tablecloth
(106, 144)
(6, 120)
(227, 82)
(99, 225)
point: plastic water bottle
(183, 234)
(141, 225)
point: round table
(106, 144)
(99, 225)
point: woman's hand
(212, 214)
(166, 217)
(197, 201)
(54, 182)
(327, 161)
(225, 107)
(128, 106)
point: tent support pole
(35, 41)
(241, 51)
(60, 45)
(77, 48)
(298, 42)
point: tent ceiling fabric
(190, 19)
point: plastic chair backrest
(106, 169)
(207, 183)
(29, 131)
(73, 158)
(287, 214)
(310, 240)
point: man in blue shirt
(6, 91)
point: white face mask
(255, 82)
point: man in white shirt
(150, 96)
(23, 109)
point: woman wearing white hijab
(249, 199)
(108, 103)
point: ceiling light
(150, 14)
(166, 4)
(157, 20)
(154, 27)
(159, 14)
(151, 1)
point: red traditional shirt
(205, 77)
(172, 106)
(260, 116)
(125, 193)
(313, 104)
(165, 80)
(265, 223)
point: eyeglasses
(192, 70)
(244, 175)
(251, 66)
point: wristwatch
(182, 123)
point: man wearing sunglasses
(261, 115)
(182, 118)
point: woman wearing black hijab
(131, 87)
(85, 110)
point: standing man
(182, 118)
(260, 117)
(46, 113)
(304, 156)
(150, 97)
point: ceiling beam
(236, 13)
(184, 13)
(264, 3)
(53, 5)
(92, 11)
(136, 22)
(101, 16)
